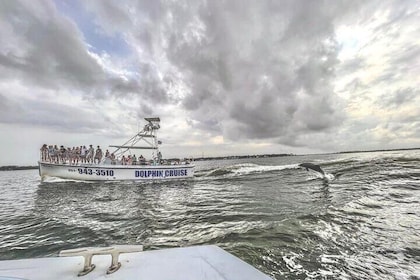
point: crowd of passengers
(82, 154)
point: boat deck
(188, 263)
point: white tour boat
(113, 169)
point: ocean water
(361, 222)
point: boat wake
(49, 179)
(243, 169)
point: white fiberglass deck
(189, 263)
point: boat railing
(108, 161)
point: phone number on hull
(97, 172)
(137, 173)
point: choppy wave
(363, 223)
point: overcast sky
(228, 77)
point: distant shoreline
(286, 155)
(373, 151)
(16, 167)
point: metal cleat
(89, 252)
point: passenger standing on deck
(83, 153)
(66, 156)
(69, 155)
(44, 152)
(73, 155)
(98, 155)
(62, 154)
(90, 154)
(50, 153)
(134, 159)
(77, 155)
(142, 160)
(55, 157)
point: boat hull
(94, 172)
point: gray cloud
(264, 67)
(46, 51)
(398, 98)
(60, 117)
(245, 70)
(52, 52)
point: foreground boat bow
(188, 263)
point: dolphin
(312, 166)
